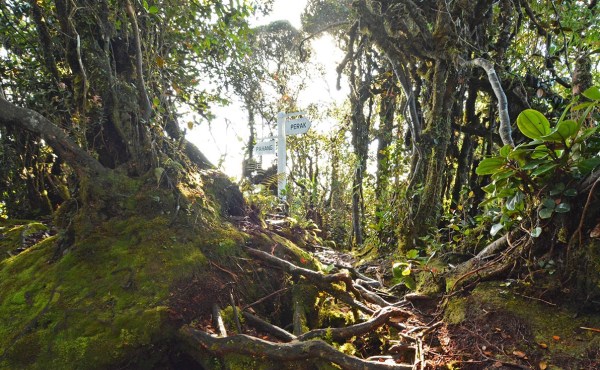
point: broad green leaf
(504, 174)
(514, 201)
(495, 228)
(531, 165)
(545, 213)
(505, 151)
(593, 93)
(549, 203)
(397, 269)
(544, 169)
(582, 106)
(540, 152)
(410, 282)
(563, 208)
(518, 154)
(490, 165)
(489, 188)
(563, 131)
(558, 189)
(570, 192)
(153, 9)
(536, 232)
(587, 133)
(533, 124)
(488, 201)
(588, 165)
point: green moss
(14, 232)
(103, 304)
(100, 304)
(330, 315)
(455, 311)
(229, 319)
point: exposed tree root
(500, 257)
(294, 351)
(275, 331)
(338, 334)
(313, 276)
(357, 295)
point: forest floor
(351, 305)
(492, 325)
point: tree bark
(82, 162)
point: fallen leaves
(520, 354)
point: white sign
(265, 147)
(297, 126)
(294, 114)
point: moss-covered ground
(500, 322)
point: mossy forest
(442, 213)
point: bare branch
(504, 130)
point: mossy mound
(109, 297)
(98, 305)
(510, 327)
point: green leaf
(518, 154)
(540, 152)
(545, 213)
(489, 188)
(593, 93)
(514, 201)
(587, 133)
(558, 189)
(533, 124)
(563, 208)
(397, 269)
(588, 165)
(563, 131)
(570, 192)
(536, 232)
(549, 203)
(532, 165)
(501, 175)
(505, 151)
(582, 106)
(544, 169)
(153, 9)
(490, 165)
(495, 228)
(410, 282)
(412, 254)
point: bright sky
(224, 142)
